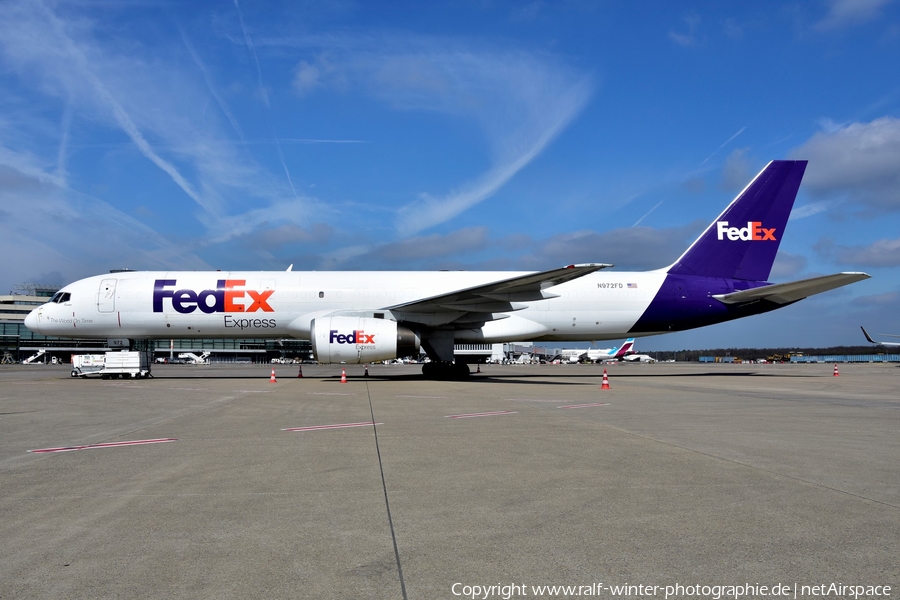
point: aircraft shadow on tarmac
(570, 378)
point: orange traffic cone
(836, 374)
(300, 372)
(479, 368)
(272, 378)
(605, 385)
(343, 375)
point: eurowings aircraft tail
(756, 218)
(627, 348)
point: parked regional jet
(574, 355)
(869, 338)
(639, 358)
(358, 317)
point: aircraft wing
(481, 302)
(785, 293)
(869, 338)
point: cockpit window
(60, 297)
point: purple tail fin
(743, 241)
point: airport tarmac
(679, 474)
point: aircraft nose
(31, 320)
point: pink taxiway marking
(104, 445)
(484, 414)
(585, 405)
(338, 426)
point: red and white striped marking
(338, 426)
(585, 405)
(104, 445)
(484, 414)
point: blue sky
(482, 135)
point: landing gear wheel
(445, 371)
(430, 370)
(460, 371)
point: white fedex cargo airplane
(358, 317)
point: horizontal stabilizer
(785, 293)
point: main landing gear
(445, 371)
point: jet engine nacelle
(357, 340)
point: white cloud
(454, 244)
(688, 39)
(856, 161)
(52, 223)
(887, 299)
(632, 248)
(156, 99)
(808, 210)
(737, 171)
(522, 101)
(787, 266)
(307, 77)
(881, 253)
(846, 13)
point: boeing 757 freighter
(359, 317)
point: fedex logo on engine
(223, 299)
(754, 231)
(356, 337)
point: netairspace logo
(754, 231)
(678, 590)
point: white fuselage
(277, 304)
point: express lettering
(752, 232)
(356, 337)
(231, 322)
(223, 299)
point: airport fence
(847, 358)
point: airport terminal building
(18, 343)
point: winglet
(868, 337)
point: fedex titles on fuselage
(224, 299)
(754, 231)
(228, 297)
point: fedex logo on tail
(356, 337)
(754, 231)
(228, 297)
